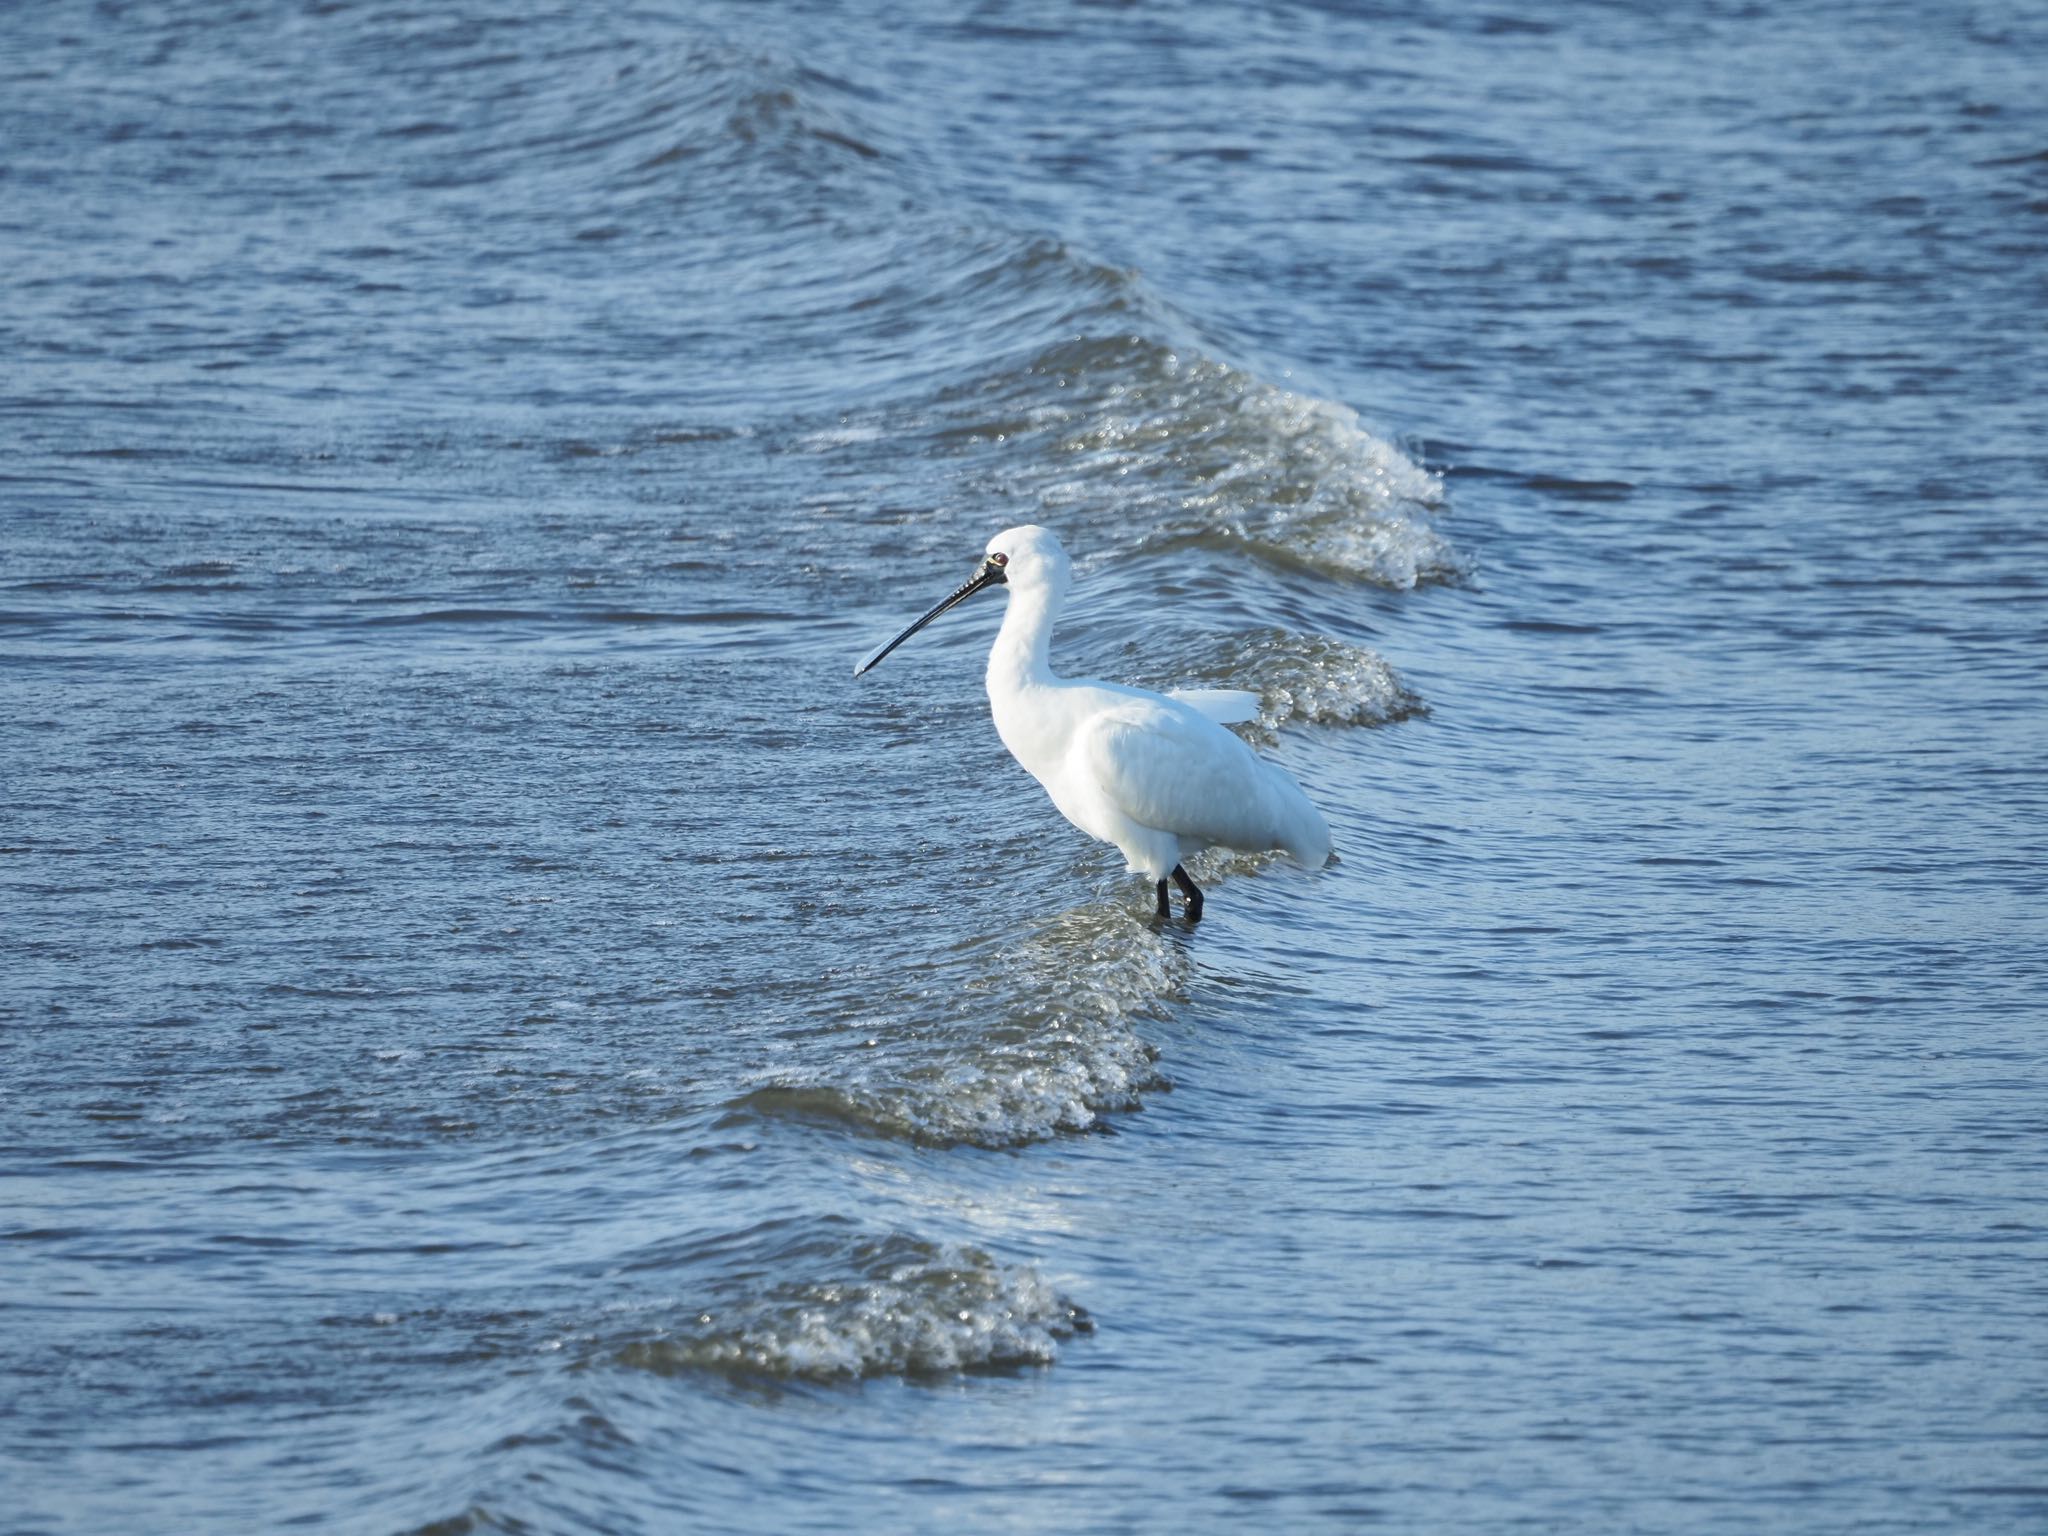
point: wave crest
(1310, 679)
(907, 1308)
(1018, 1041)
(1195, 450)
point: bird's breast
(1032, 730)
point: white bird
(1155, 774)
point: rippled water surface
(501, 1032)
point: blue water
(501, 1032)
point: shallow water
(502, 1032)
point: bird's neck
(1021, 656)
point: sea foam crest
(1198, 450)
(1030, 1038)
(909, 1308)
(1313, 679)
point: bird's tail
(1304, 835)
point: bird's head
(1028, 557)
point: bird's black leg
(1189, 889)
(1164, 909)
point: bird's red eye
(998, 559)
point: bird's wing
(1173, 770)
(1226, 706)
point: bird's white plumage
(1155, 774)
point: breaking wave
(1191, 449)
(1012, 1041)
(903, 1307)
(1304, 679)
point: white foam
(911, 1309)
(1038, 1035)
(1311, 679)
(1321, 681)
(1197, 447)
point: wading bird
(1155, 774)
